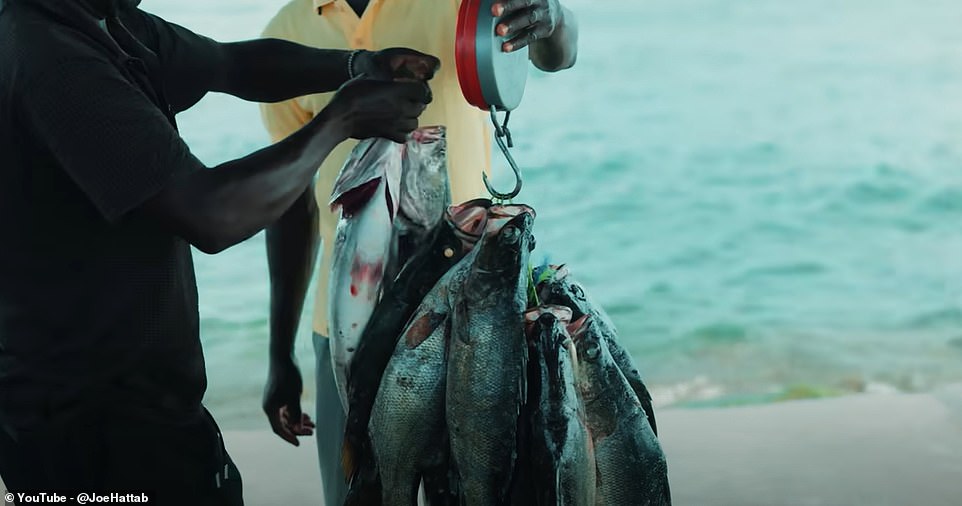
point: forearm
(217, 208)
(291, 251)
(272, 70)
(560, 51)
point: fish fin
(349, 461)
(356, 198)
(365, 484)
(649, 409)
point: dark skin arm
(292, 245)
(217, 208)
(271, 70)
(547, 28)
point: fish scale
(632, 470)
(408, 415)
(484, 401)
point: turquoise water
(766, 196)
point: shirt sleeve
(112, 141)
(187, 59)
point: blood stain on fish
(422, 328)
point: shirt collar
(319, 4)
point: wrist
(281, 358)
(359, 62)
(351, 63)
(333, 122)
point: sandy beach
(870, 449)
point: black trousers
(173, 465)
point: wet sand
(873, 449)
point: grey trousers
(329, 418)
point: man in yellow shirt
(544, 26)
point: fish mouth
(469, 221)
(577, 328)
(533, 316)
(551, 340)
(500, 215)
(505, 252)
(428, 134)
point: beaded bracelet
(350, 63)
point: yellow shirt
(428, 26)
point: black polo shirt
(98, 304)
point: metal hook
(502, 131)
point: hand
(525, 21)
(396, 63)
(282, 403)
(371, 108)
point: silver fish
(487, 361)
(366, 195)
(424, 195)
(632, 469)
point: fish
(424, 195)
(561, 456)
(408, 415)
(453, 243)
(487, 363)
(631, 467)
(442, 251)
(365, 194)
(558, 287)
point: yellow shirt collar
(319, 4)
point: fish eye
(578, 292)
(593, 351)
(510, 233)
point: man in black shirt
(101, 368)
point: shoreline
(879, 449)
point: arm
(217, 208)
(292, 245)
(125, 156)
(267, 70)
(271, 70)
(291, 251)
(262, 70)
(547, 28)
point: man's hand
(523, 22)
(396, 63)
(282, 402)
(371, 108)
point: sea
(765, 196)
